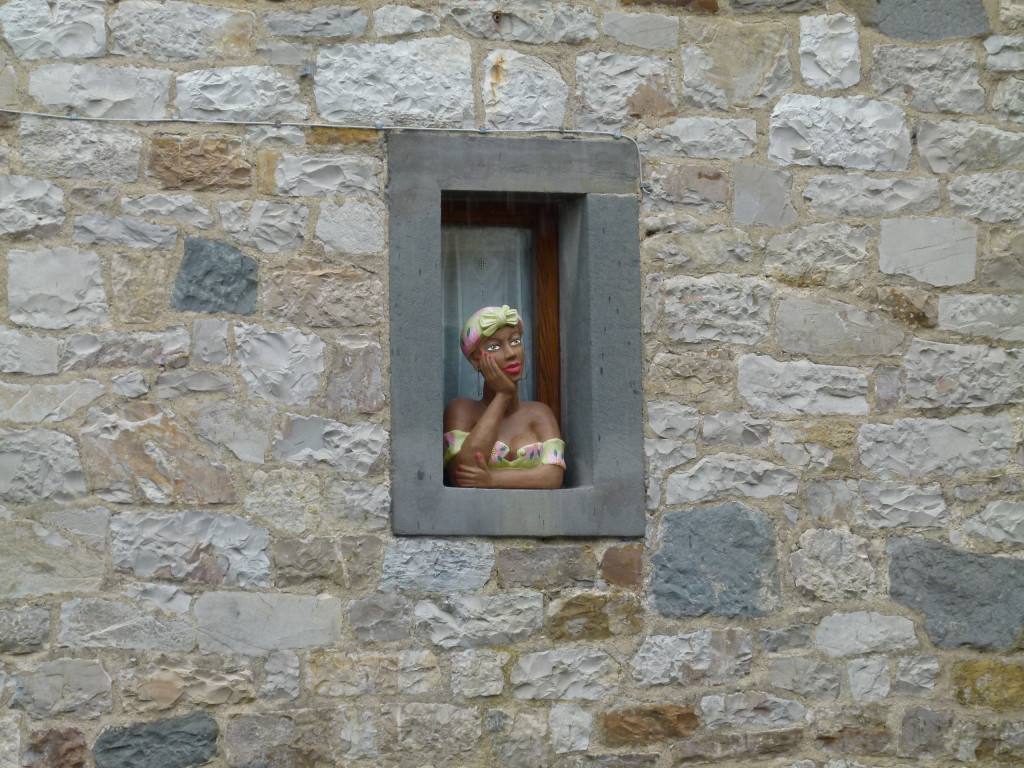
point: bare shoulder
(461, 414)
(542, 419)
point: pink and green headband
(483, 323)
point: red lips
(513, 369)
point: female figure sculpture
(499, 441)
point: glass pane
(484, 266)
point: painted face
(505, 345)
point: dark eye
(515, 342)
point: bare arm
(482, 429)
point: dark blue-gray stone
(717, 560)
(932, 19)
(967, 599)
(215, 277)
(178, 742)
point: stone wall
(196, 565)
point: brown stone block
(638, 725)
(55, 748)
(325, 137)
(989, 684)
(623, 566)
(855, 731)
(207, 162)
(718, 746)
(592, 617)
(909, 305)
(652, 98)
(547, 567)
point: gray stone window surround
(595, 183)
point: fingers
(480, 462)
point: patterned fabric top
(533, 455)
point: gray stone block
(962, 375)
(253, 624)
(829, 51)
(282, 366)
(436, 565)
(215, 277)
(855, 194)
(702, 137)
(833, 328)
(718, 560)
(829, 253)
(721, 307)
(833, 565)
(967, 599)
(472, 621)
(379, 618)
(724, 474)
(763, 196)
(644, 30)
(932, 19)
(76, 687)
(24, 630)
(96, 623)
(705, 657)
(526, 21)
(118, 349)
(79, 150)
(325, 21)
(567, 673)
(22, 353)
(239, 93)
(522, 91)
(102, 91)
(943, 79)
(1008, 100)
(993, 315)
(39, 464)
(403, 20)
(28, 206)
(749, 708)
(178, 742)
(354, 449)
(270, 226)
(924, 733)
(853, 634)
(36, 29)
(800, 387)
(961, 145)
(991, 197)
(178, 31)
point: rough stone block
(763, 196)
(238, 93)
(414, 82)
(850, 634)
(921, 447)
(100, 350)
(725, 474)
(140, 452)
(829, 51)
(39, 464)
(916, 675)
(526, 21)
(102, 91)
(354, 449)
(568, 673)
(714, 77)
(890, 504)
(663, 455)
(869, 678)
(786, 639)
(348, 561)
(52, 748)
(215, 277)
(386, 674)
(739, 429)
(820, 254)
(96, 623)
(643, 30)
(325, 175)
(989, 683)
(716, 308)
(162, 685)
(805, 677)
(181, 208)
(991, 197)
(856, 133)
(324, 296)
(355, 381)
(24, 630)
(718, 560)
(999, 521)
(962, 375)
(178, 742)
(478, 673)
(195, 545)
(325, 21)
(547, 567)
(834, 565)
(355, 227)
(737, 745)
(36, 29)
(833, 328)
(243, 429)
(32, 403)
(570, 728)
(272, 227)
(187, 381)
(788, 6)
(612, 88)
(749, 708)
(402, 20)
(693, 187)
(79, 150)
(55, 288)
(932, 19)
(40, 561)
(967, 599)
(22, 353)
(644, 724)
(1008, 100)
(954, 146)
(429, 731)
(705, 137)
(380, 619)
(76, 687)
(522, 92)
(357, 505)
(593, 616)
(705, 657)
(923, 733)
(943, 79)
(124, 230)
(281, 367)
(1005, 52)
(436, 565)
(205, 162)
(252, 624)
(179, 31)
(31, 207)
(990, 315)
(801, 387)
(855, 194)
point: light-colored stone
(55, 288)
(1008, 100)
(139, 452)
(739, 429)
(942, 79)
(857, 132)
(525, 21)
(210, 341)
(472, 621)
(284, 498)
(200, 546)
(323, 296)
(359, 505)
(79, 150)
(724, 474)
(716, 308)
(32, 403)
(1000, 521)
(705, 657)
(283, 366)
(39, 464)
(243, 429)
(270, 226)
(612, 88)
(353, 449)
(114, 348)
(163, 596)
(698, 188)
(763, 196)
(355, 381)
(179, 31)
(10, 740)
(932, 250)
(798, 449)
(401, 673)
(124, 230)
(1005, 53)
(180, 208)
(801, 387)
(324, 21)
(990, 315)
(570, 728)
(829, 51)
(282, 682)
(325, 175)
(31, 207)
(833, 499)
(962, 375)
(916, 675)
(436, 565)
(855, 194)
(40, 561)
(429, 731)
(830, 253)
(403, 20)
(707, 137)
(102, 91)
(643, 30)
(76, 687)
(568, 673)
(869, 678)
(521, 91)
(253, 624)
(749, 708)
(671, 419)
(806, 677)
(187, 381)
(415, 82)
(36, 29)
(732, 64)
(960, 145)
(23, 353)
(832, 564)
(1011, 13)
(991, 197)
(890, 504)
(849, 634)
(833, 328)
(24, 630)
(162, 685)
(478, 673)
(238, 93)
(381, 619)
(96, 623)
(354, 227)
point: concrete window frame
(595, 183)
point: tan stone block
(207, 162)
(162, 685)
(545, 567)
(638, 725)
(593, 617)
(909, 305)
(266, 170)
(722, 745)
(990, 684)
(652, 98)
(330, 137)
(708, 6)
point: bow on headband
(483, 323)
